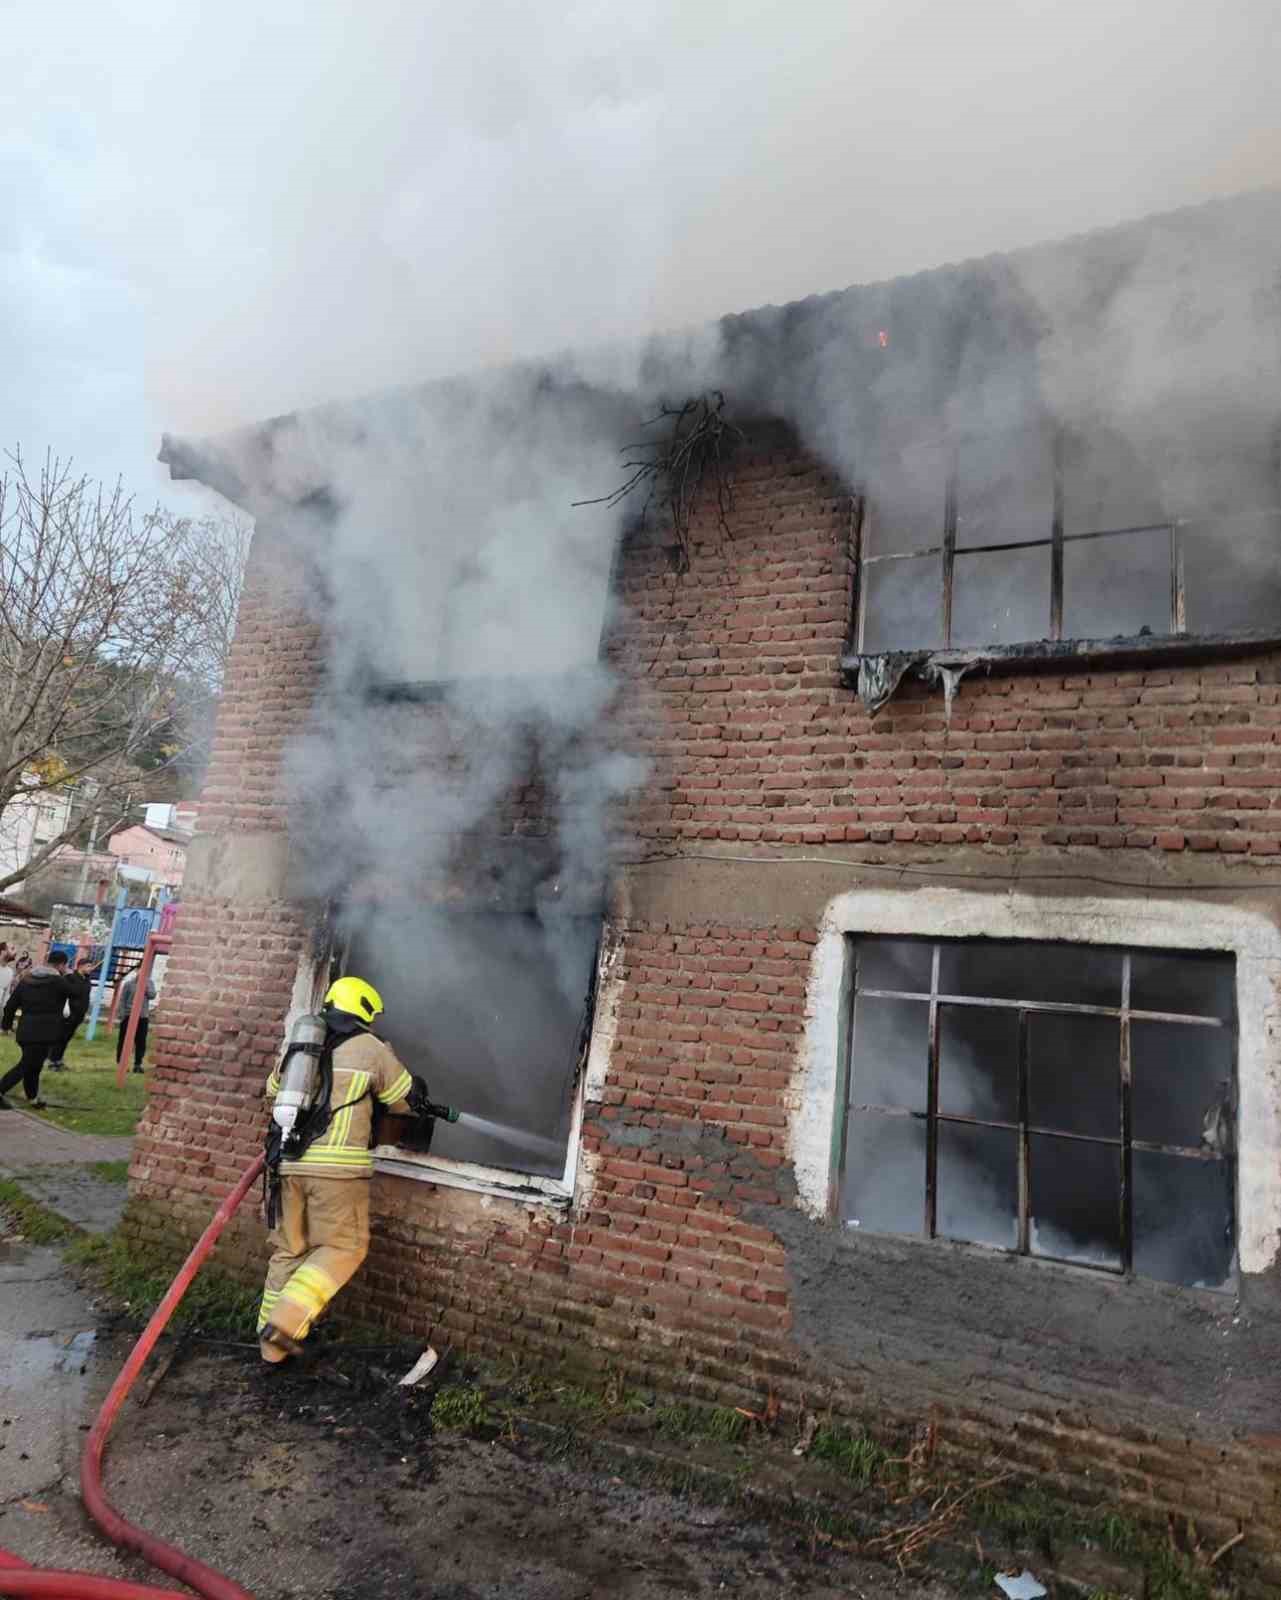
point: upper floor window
(1040, 533)
(1072, 1102)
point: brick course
(757, 738)
(670, 1266)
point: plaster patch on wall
(308, 990)
(1156, 923)
(812, 1093)
(609, 991)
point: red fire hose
(17, 1578)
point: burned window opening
(1056, 542)
(493, 1010)
(1072, 1103)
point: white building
(30, 821)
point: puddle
(48, 1355)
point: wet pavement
(47, 1331)
(47, 1376)
(53, 1166)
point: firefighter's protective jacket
(364, 1068)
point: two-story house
(849, 892)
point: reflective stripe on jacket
(364, 1067)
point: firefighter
(321, 1233)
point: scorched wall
(696, 1254)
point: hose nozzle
(441, 1113)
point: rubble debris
(162, 1371)
(809, 1429)
(765, 1418)
(1020, 1586)
(425, 1363)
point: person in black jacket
(40, 996)
(80, 984)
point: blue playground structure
(119, 954)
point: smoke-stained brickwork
(683, 1261)
(759, 739)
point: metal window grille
(1176, 529)
(1036, 1139)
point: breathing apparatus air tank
(299, 1071)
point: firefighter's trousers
(322, 1238)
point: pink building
(161, 852)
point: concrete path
(49, 1382)
(47, 1329)
(27, 1140)
(52, 1165)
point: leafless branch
(112, 622)
(696, 443)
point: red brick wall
(272, 674)
(659, 1270)
(757, 739)
(227, 985)
(216, 1037)
(673, 1267)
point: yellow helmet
(356, 997)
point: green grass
(856, 1456)
(700, 1422)
(34, 1221)
(138, 1279)
(1034, 1517)
(460, 1406)
(89, 1101)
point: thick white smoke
(317, 200)
(328, 200)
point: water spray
(506, 1134)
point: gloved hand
(419, 1098)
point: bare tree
(216, 549)
(107, 617)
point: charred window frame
(493, 1170)
(1169, 544)
(1078, 1102)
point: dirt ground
(328, 1481)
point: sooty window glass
(1073, 1102)
(493, 1011)
(1041, 533)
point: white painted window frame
(1163, 921)
(499, 1182)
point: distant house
(30, 821)
(151, 854)
(156, 846)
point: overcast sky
(217, 211)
